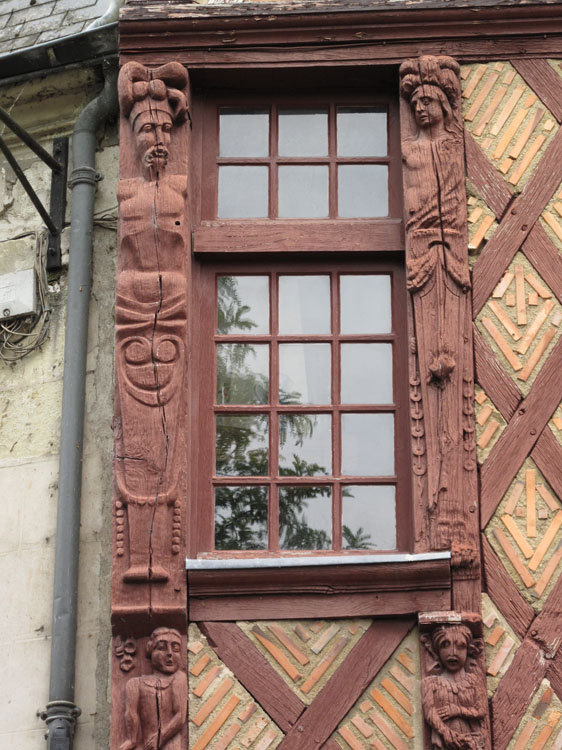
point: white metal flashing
(302, 562)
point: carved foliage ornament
(453, 693)
(151, 320)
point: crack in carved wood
(151, 324)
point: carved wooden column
(149, 686)
(441, 377)
(442, 393)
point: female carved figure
(454, 704)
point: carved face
(453, 650)
(166, 653)
(152, 130)
(428, 109)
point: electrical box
(17, 294)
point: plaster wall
(30, 414)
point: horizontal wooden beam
(327, 580)
(314, 606)
(272, 236)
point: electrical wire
(21, 336)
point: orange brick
(217, 723)
(200, 665)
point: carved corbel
(454, 699)
(439, 283)
(153, 699)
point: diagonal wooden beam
(515, 691)
(504, 593)
(491, 376)
(517, 224)
(547, 454)
(543, 254)
(521, 434)
(544, 81)
(359, 668)
(533, 660)
(554, 674)
(236, 650)
(485, 177)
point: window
(301, 415)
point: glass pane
(365, 304)
(243, 192)
(362, 131)
(242, 374)
(244, 132)
(305, 517)
(362, 190)
(367, 444)
(304, 373)
(243, 304)
(303, 192)
(303, 132)
(240, 517)
(368, 517)
(305, 444)
(366, 373)
(304, 304)
(242, 445)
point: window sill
(334, 586)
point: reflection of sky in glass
(369, 512)
(303, 192)
(242, 373)
(305, 517)
(365, 304)
(243, 304)
(242, 445)
(304, 304)
(366, 373)
(361, 131)
(305, 444)
(367, 444)
(243, 192)
(244, 132)
(240, 517)
(303, 132)
(304, 373)
(362, 190)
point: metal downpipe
(61, 712)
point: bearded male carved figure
(150, 320)
(454, 703)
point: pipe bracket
(87, 175)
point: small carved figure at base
(156, 704)
(454, 705)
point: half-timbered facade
(338, 487)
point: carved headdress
(161, 89)
(437, 77)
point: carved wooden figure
(151, 324)
(438, 280)
(453, 692)
(156, 704)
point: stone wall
(30, 414)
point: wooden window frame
(204, 481)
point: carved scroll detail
(156, 703)
(151, 323)
(438, 280)
(454, 697)
(125, 650)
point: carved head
(164, 650)
(431, 85)
(154, 101)
(451, 645)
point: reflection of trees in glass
(241, 513)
